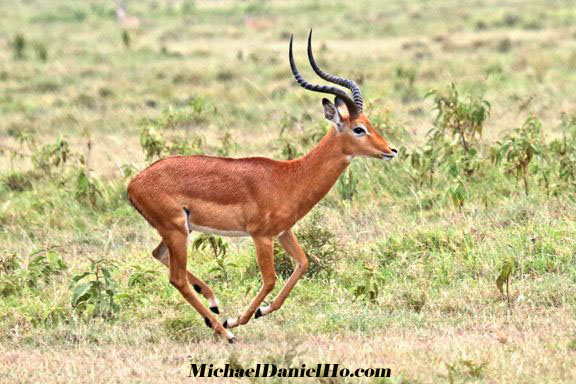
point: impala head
(355, 131)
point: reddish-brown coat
(257, 196)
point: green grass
(411, 249)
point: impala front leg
(291, 245)
(265, 255)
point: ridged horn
(352, 108)
(350, 84)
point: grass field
(405, 255)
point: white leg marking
(231, 323)
(265, 310)
(213, 302)
(186, 224)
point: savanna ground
(405, 254)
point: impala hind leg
(293, 248)
(161, 253)
(265, 255)
(176, 239)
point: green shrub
(370, 283)
(19, 47)
(44, 266)
(320, 245)
(219, 249)
(93, 292)
(462, 118)
(88, 190)
(126, 39)
(50, 156)
(517, 150)
(18, 181)
(41, 52)
(405, 83)
(347, 185)
(227, 144)
(186, 328)
(152, 142)
(9, 278)
(141, 278)
(160, 137)
(293, 143)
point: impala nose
(390, 155)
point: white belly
(214, 231)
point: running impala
(257, 197)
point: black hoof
(215, 310)
(197, 288)
(258, 313)
(225, 323)
(208, 322)
(232, 340)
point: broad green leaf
(507, 269)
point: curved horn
(350, 84)
(352, 108)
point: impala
(257, 197)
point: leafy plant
(93, 292)
(465, 368)
(201, 111)
(558, 168)
(142, 277)
(8, 262)
(52, 155)
(41, 52)
(155, 144)
(292, 143)
(9, 274)
(196, 113)
(152, 142)
(126, 39)
(318, 242)
(448, 160)
(192, 144)
(405, 83)
(228, 144)
(425, 159)
(18, 181)
(88, 190)
(141, 281)
(383, 121)
(457, 192)
(219, 249)
(462, 118)
(19, 46)
(347, 186)
(370, 283)
(44, 265)
(446, 165)
(518, 149)
(504, 278)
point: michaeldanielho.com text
(271, 370)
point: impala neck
(319, 170)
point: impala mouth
(389, 156)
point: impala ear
(341, 105)
(331, 114)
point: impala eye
(359, 131)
